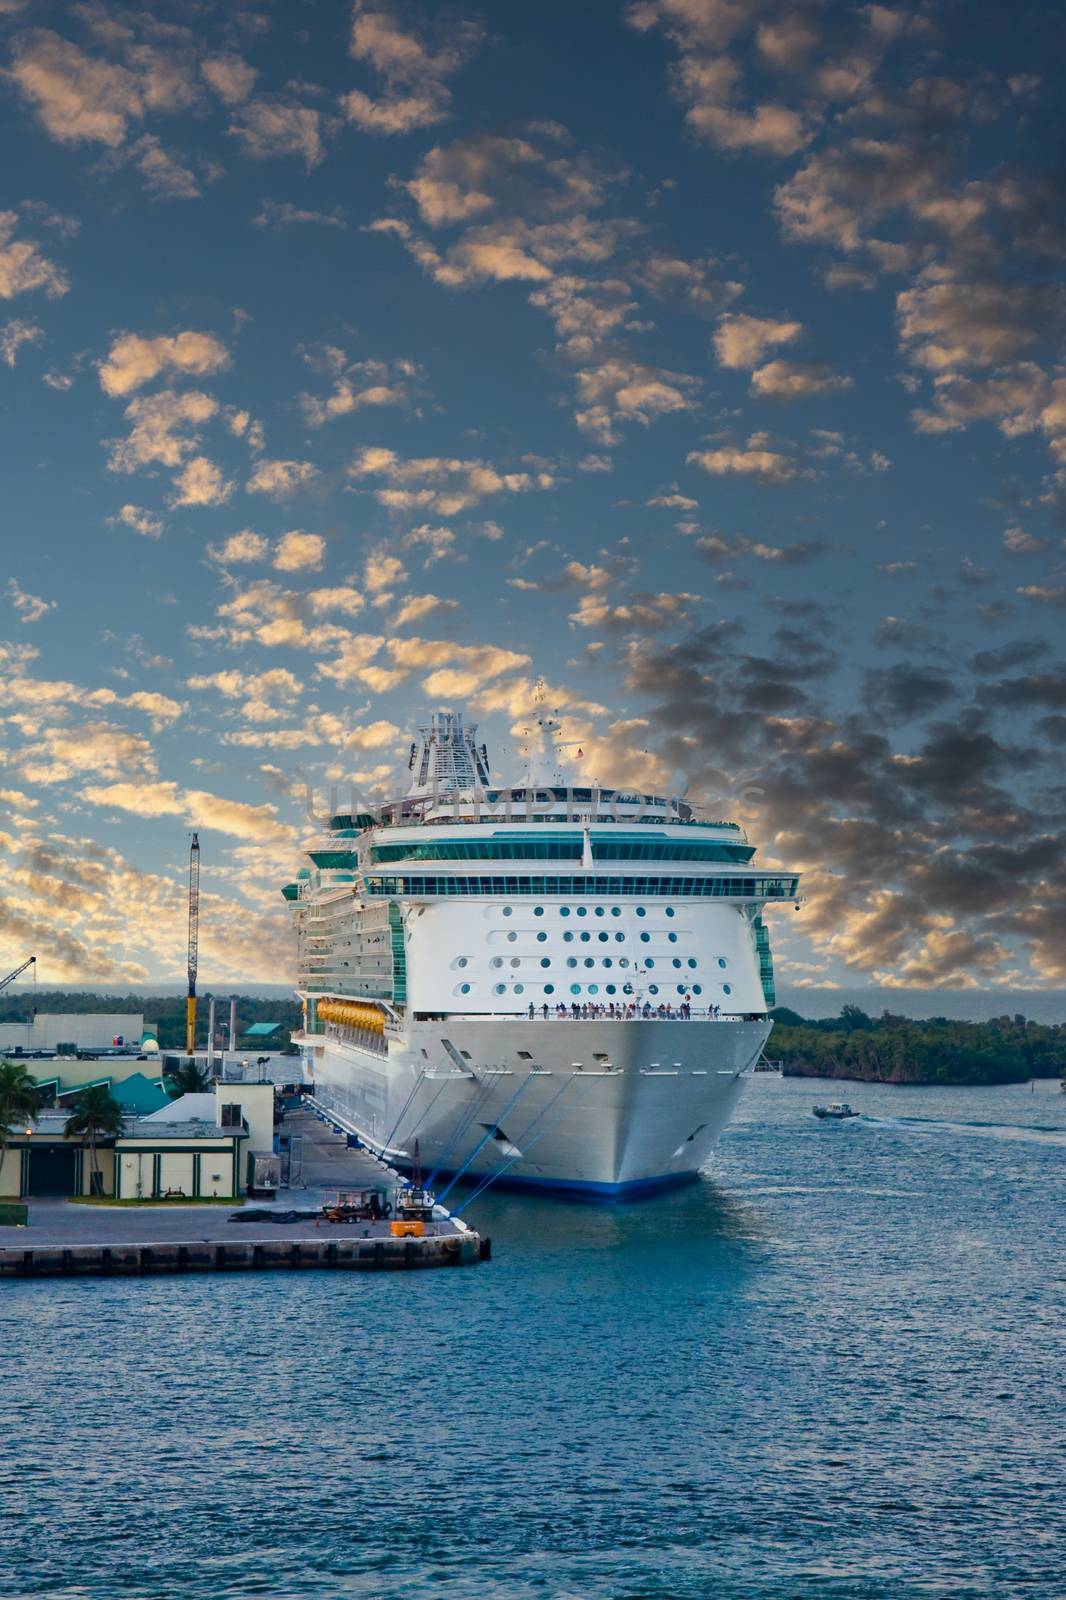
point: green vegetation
(96, 1115)
(188, 1078)
(892, 1049)
(167, 1012)
(18, 1100)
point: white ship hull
(603, 1107)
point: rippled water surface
(834, 1369)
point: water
(833, 1371)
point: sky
(688, 371)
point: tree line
(166, 1013)
(895, 1049)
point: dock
(290, 1233)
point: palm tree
(18, 1100)
(96, 1114)
(188, 1078)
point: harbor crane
(31, 961)
(194, 943)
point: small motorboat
(836, 1111)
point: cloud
(439, 484)
(283, 214)
(713, 547)
(230, 77)
(269, 128)
(947, 323)
(13, 335)
(100, 748)
(134, 361)
(75, 96)
(741, 341)
(201, 483)
(166, 427)
(416, 607)
(297, 552)
(198, 807)
(363, 384)
(141, 521)
(413, 70)
(1020, 543)
(652, 611)
(23, 267)
(619, 391)
(30, 607)
(796, 380)
(731, 461)
(243, 546)
(162, 171)
(280, 479)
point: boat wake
(1027, 1133)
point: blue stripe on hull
(570, 1188)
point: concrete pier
(285, 1254)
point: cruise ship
(549, 986)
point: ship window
(616, 911)
(669, 911)
(507, 911)
(727, 988)
(575, 988)
(611, 989)
(497, 961)
(538, 911)
(649, 963)
(571, 961)
(519, 988)
(594, 988)
(582, 911)
(677, 961)
(623, 961)
(461, 961)
(501, 988)
(516, 961)
(672, 937)
(599, 911)
(697, 989)
(589, 961)
(524, 1055)
(692, 961)
(511, 937)
(641, 912)
(545, 961)
(466, 1055)
(607, 962)
(627, 988)
(464, 988)
(653, 988)
(541, 937)
(549, 988)
(564, 911)
(568, 937)
(645, 938)
(681, 988)
(619, 938)
(604, 938)
(722, 962)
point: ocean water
(832, 1369)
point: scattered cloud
(30, 607)
(298, 552)
(279, 480)
(413, 67)
(134, 361)
(23, 265)
(15, 334)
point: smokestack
(211, 1034)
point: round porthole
(571, 961)
(594, 988)
(507, 911)
(604, 937)
(599, 911)
(511, 937)
(653, 988)
(727, 988)
(501, 988)
(568, 937)
(619, 938)
(697, 989)
(564, 911)
(585, 937)
(516, 961)
(649, 963)
(497, 961)
(538, 911)
(549, 988)
(641, 912)
(616, 911)
(461, 961)
(722, 961)
(677, 961)
(519, 988)
(541, 937)
(623, 961)
(645, 938)
(692, 961)
(681, 988)
(669, 911)
(589, 961)
(545, 961)
(611, 989)
(575, 988)
(672, 937)
(464, 988)
(582, 911)
(607, 961)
